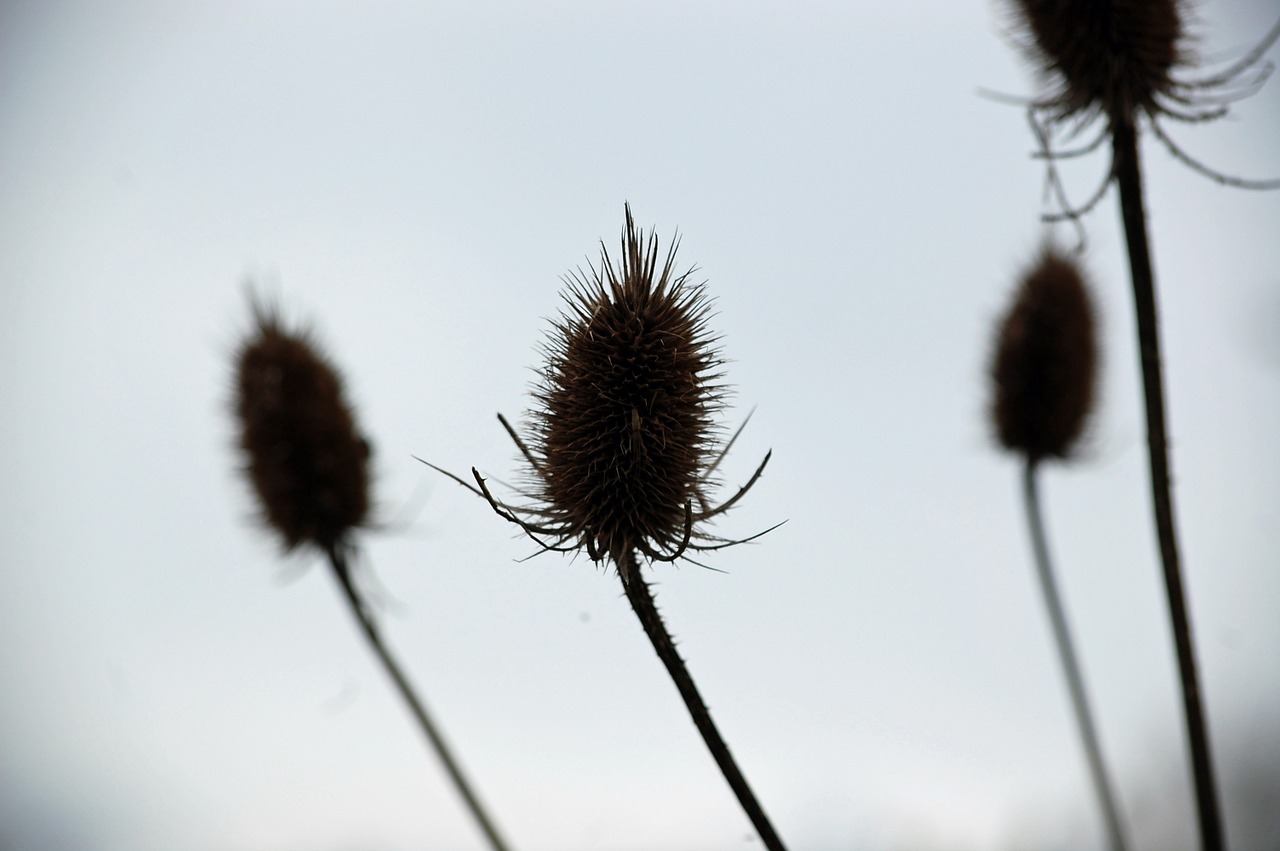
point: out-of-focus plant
(308, 465)
(1115, 65)
(1043, 375)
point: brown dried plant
(1123, 61)
(308, 465)
(303, 456)
(1119, 60)
(1045, 365)
(622, 444)
(1043, 375)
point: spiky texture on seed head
(302, 453)
(1113, 57)
(1045, 363)
(623, 426)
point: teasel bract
(1123, 60)
(308, 464)
(1043, 375)
(622, 444)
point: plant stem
(1128, 175)
(1070, 666)
(641, 599)
(338, 561)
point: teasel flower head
(1125, 61)
(1114, 57)
(1044, 370)
(622, 441)
(302, 453)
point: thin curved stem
(642, 603)
(341, 572)
(1129, 177)
(1070, 665)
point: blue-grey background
(412, 180)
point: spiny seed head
(1114, 57)
(623, 425)
(302, 453)
(1045, 362)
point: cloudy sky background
(412, 181)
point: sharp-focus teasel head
(622, 440)
(1044, 370)
(302, 452)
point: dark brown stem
(1129, 178)
(641, 599)
(338, 561)
(1070, 665)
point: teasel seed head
(302, 452)
(1044, 370)
(1114, 57)
(623, 429)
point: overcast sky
(412, 181)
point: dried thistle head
(622, 441)
(1114, 57)
(1045, 365)
(302, 452)
(1119, 60)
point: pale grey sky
(413, 180)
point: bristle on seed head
(1045, 364)
(623, 428)
(302, 453)
(1114, 57)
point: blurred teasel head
(1044, 370)
(1114, 57)
(622, 440)
(1121, 60)
(301, 450)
